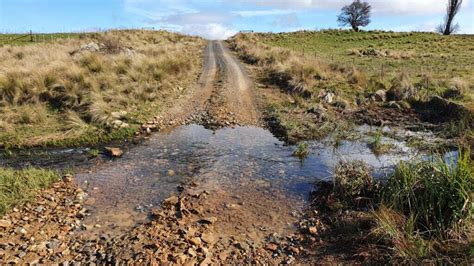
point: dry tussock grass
(132, 69)
(292, 71)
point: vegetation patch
(333, 75)
(95, 88)
(19, 186)
(421, 213)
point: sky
(219, 19)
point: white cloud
(212, 31)
(397, 7)
(213, 19)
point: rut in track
(223, 95)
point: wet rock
(114, 152)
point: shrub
(401, 88)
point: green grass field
(416, 53)
(385, 55)
(26, 38)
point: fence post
(31, 36)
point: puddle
(231, 159)
(227, 159)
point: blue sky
(218, 19)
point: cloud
(399, 7)
(212, 31)
(217, 19)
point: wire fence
(22, 38)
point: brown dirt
(223, 96)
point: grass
(377, 145)
(27, 39)
(301, 151)
(411, 68)
(87, 97)
(443, 57)
(19, 186)
(437, 194)
(422, 213)
(435, 62)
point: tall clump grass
(92, 77)
(427, 207)
(18, 186)
(294, 72)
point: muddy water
(242, 162)
(235, 160)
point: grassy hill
(423, 56)
(93, 88)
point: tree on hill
(448, 26)
(356, 15)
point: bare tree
(356, 14)
(452, 9)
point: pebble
(5, 223)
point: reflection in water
(223, 159)
(123, 189)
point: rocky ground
(183, 230)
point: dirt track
(223, 95)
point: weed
(377, 145)
(93, 153)
(301, 151)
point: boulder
(380, 96)
(327, 97)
